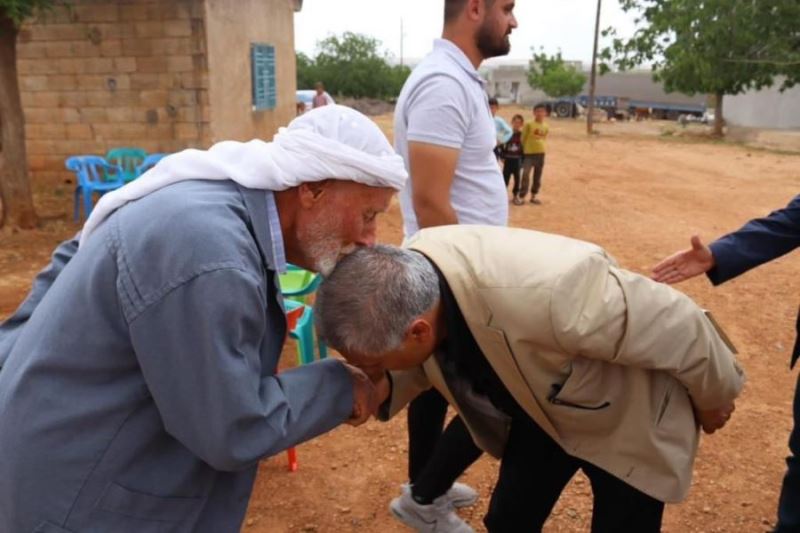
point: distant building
(510, 81)
(161, 75)
(768, 108)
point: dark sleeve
(199, 349)
(12, 327)
(757, 242)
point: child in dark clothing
(512, 154)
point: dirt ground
(638, 193)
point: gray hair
(372, 297)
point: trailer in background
(622, 108)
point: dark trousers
(512, 167)
(789, 503)
(535, 470)
(535, 162)
(435, 458)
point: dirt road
(641, 196)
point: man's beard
(322, 243)
(490, 45)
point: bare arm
(432, 168)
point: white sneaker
(438, 517)
(459, 495)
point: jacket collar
(478, 315)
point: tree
(16, 199)
(352, 65)
(554, 76)
(716, 47)
(306, 71)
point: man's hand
(714, 419)
(365, 396)
(685, 264)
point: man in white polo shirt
(445, 132)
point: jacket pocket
(589, 386)
(555, 400)
(129, 503)
(49, 527)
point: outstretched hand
(685, 264)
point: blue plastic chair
(126, 159)
(148, 163)
(94, 175)
(303, 333)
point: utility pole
(402, 34)
(592, 80)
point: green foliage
(554, 76)
(19, 10)
(712, 46)
(306, 75)
(351, 65)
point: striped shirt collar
(277, 251)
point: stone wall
(103, 74)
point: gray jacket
(138, 387)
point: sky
(567, 25)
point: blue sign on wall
(265, 92)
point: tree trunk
(16, 200)
(719, 121)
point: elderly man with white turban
(138, 387)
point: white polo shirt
(444, 102)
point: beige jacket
(551, 311)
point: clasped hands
(370, 389)
(713, 419)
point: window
(262, 58)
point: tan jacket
(627, 352)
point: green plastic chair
(127, 160)
(297, 283)
(303, 333)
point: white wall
(767, 108)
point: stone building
(161, 75)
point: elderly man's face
(339, 217)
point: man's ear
(310, 193)
(420, 331)
(475, 10)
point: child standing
(501, 127)
(512, 157)
(534, 135)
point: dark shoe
(518, 200)
(535, 201)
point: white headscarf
(332, 141)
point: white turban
(332, 141)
